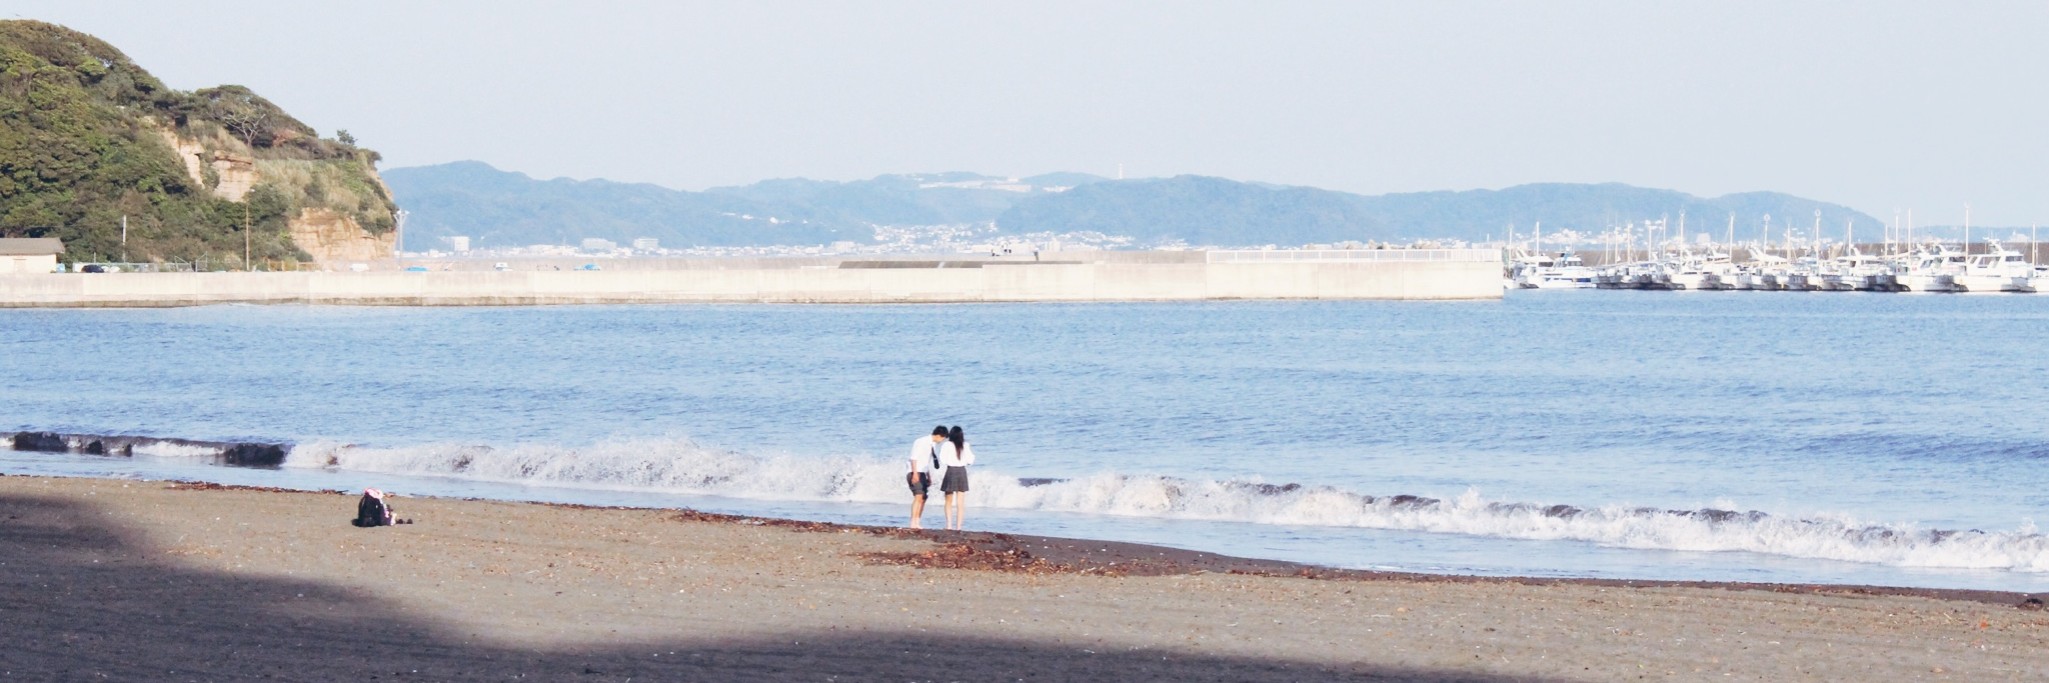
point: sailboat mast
(1817, 234)
(1732, 238)
(1892, 232)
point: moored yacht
(1999, 270)
(1564, 271)
(1931, 269)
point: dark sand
(149, 581)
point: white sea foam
(686, 467)
(170, 449)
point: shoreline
(135, 580)
(270, 455)
(1029, 553)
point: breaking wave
(686, 467)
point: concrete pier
(1381, 274)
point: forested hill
(1201, 210)
(88, 137)
(509, 209)
(502, 208)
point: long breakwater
(1407, 274)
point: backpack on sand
(371, 512)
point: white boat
(1766, 271)
(1866, 273)
(1999, 270)
(1564, 271)
(1931, 269)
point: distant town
(984, 239)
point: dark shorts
(920, 482)
(956, 480)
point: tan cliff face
(237, 175)
(326, 235)
(189, 151)
(331, 237)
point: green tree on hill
(82, 144)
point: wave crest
(686, 467)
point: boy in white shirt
(924, 457)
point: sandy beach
(131, 580)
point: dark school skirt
(956, 480)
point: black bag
(371, 512)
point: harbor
(1814, 264)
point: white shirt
(921, 455)
(949, 458)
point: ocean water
(1879, 439)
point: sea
(1872, 439)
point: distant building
(458, 243)
(595, 244)
(29, 254)
(646, 244)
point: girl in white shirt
(954, 458)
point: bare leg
(960, 511)
(917, 512)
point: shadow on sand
(83, 600)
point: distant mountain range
(503, 209)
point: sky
(1881, 106)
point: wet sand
(122, 580)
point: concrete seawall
(1474, 278)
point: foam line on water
(682, 466)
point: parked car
(501, 265)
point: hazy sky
(1879, 105)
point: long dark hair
(959, 439)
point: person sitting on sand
(955, 457)
(372, 510)
(924, 459)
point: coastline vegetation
(85, 141)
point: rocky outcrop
(234, 173)
(329, 237)
(237, 175)
(189, 151)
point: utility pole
(398, 241)
(245, 234)
(124, 238)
